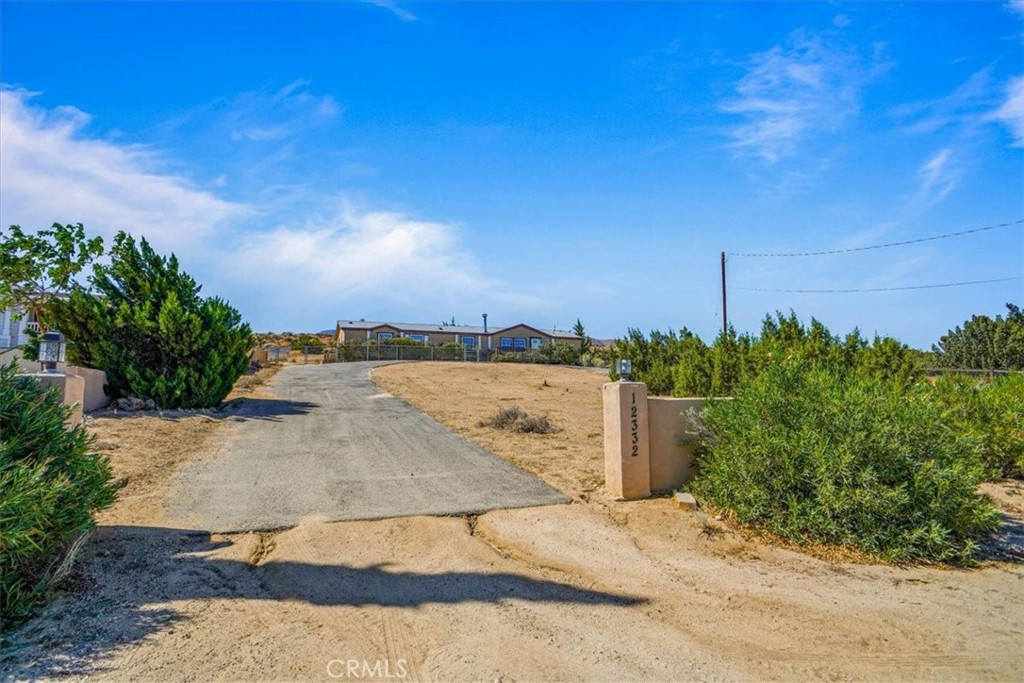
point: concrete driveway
(332, 446)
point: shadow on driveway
(130, 574)
(237, 410)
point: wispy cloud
(961, 110)
(262, 116)
(937, 177)
(1011, 113)
(392, 6)
(53, 170)
(790, 94)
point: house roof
(427, 328)
(411, 327)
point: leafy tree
(148, 328)
(35, 268)
(984, 343)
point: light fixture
(625, 369)
(51, 351)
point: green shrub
(148, 328)
(307, 342)
(50, 486)
(821, 455)
(992, 410)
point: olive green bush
(50, 486)
(816, 454)
(991, 410)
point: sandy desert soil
(593, 591)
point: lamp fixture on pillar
(51, 350)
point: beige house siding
(528, 337)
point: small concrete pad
(684, 501)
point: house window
(418, 337)
(535, 342)
(468, 341)
(520, 343)
(506, 342)
(385, 335)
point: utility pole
(725, 310)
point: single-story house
(512, 339)
(15, 324)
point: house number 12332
(634, 429)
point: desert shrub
(148, 328)
(508, 357)
(984, 343)
(515, 419)
(559, 352)
(817, 454)
(992, 410)
(681, 363)
(50, 486)
(307, 342)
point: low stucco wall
(671, 441)
(94, 395)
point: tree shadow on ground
(1006, 544)
(237, 410)
(129, 575)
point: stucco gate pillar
(627, 459)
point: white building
(15, 324)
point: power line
(878, 289)
(889, 244)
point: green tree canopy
(984, 343)
(145, 324)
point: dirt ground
(593, 591)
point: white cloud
(791, 94)
(1011, 113)
(52, 170)
(307, 271)
(359, 252)
(392, 6)
(937, 177)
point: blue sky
(535, 161)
